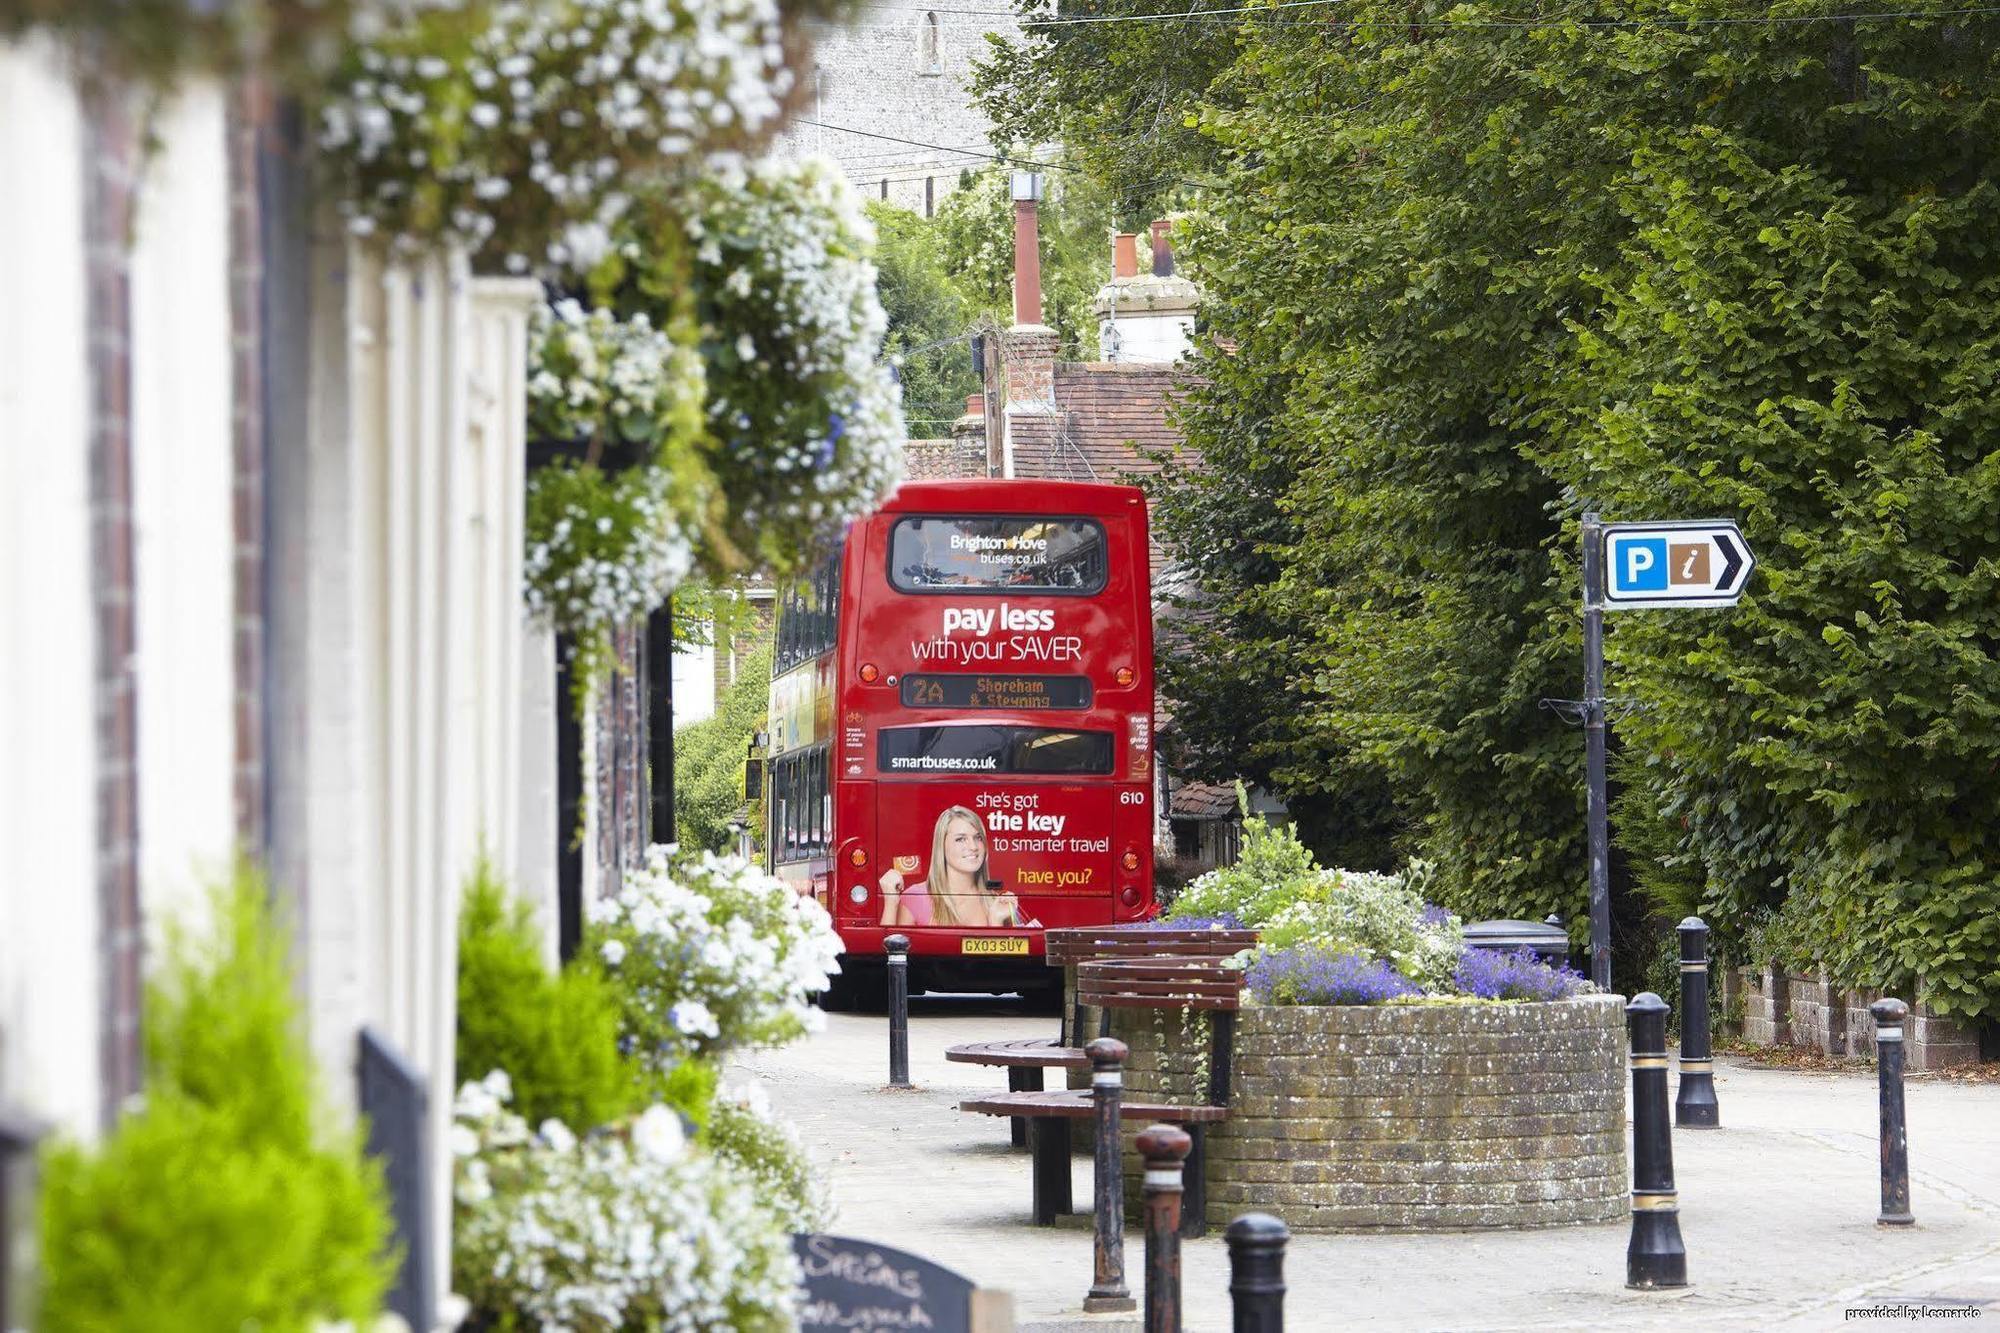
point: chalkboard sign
(857, 1284)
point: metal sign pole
(1593, 741)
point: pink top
(917, 901)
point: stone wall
(1404, 1118)
(889, 99)
(1782, 1008)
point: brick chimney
(1145, 317)
(1027, 248)
(1027, 350)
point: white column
(49, 992)
(183, 512)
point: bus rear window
(992, 750)
(1017, 555)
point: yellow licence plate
(1017, 944)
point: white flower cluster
(808, 421)
(527, 136)
(1372, 914)
(710, 954)
(632, 1228)
(593, 376)
(601, 551)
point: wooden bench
(1025, 1058)
(1128, 983)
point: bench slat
(1077, 1105)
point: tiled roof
(1202, 800)
(1107, 416)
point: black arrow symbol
(1731, 562)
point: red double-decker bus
(962, 729)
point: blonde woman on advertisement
(956, 891)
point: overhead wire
(1027, 162)
(1447, 25)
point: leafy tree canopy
(1473, 273)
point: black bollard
(1257, 1273)
(1164, 1148)
(1655, 1256)
(1694, 1105)
(899, 1010)
(1108, 1291)
(1890, 1015)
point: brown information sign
(977, 690)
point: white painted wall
(48, 897)
(184, 535)
(694, 683)
(413, 650)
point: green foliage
(709, 755)
(555, 1033)
(928, 315)
(1797, 331)
(1471, 277)
(1119, 97)
(226, 1201)
(1278, 889)
(976, 225)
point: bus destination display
(971, 690)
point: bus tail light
(869, 673)
(1129, 895)
(1125, 676)
(1130, 860)
(857, 858)
(858, 894)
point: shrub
(1308, 975)
(226, 1201)
(1375, 916)
(1273, 869)
(624, 1228)
(1489, 974)
(709, 954)
(554, 1032)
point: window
(1014, 555)
(992, 750)
(809, 616)
(802, 804)
(928, 60)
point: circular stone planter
(1406, 1117)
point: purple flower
(1220, 921)
(836, 427)
(1433, 915)
(1305, 975)
(1492, 975)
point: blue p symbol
(1641, 565)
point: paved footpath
(1777, 1207)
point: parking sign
(1699, 562)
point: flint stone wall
(1782, 1008)
(1403, 1118)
